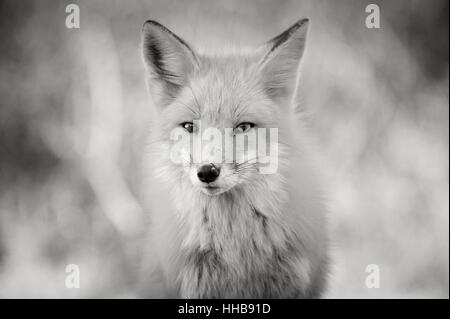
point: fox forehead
(226, 90)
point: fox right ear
(281, 60)
(168, 59)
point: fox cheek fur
(265, 236)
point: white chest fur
(234, 249)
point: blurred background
(74, 113)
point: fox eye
(188, 126)
(243, 127)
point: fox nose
(208, 173)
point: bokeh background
(74, 113)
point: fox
(223, 228)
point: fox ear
(281, 60)
(168, 59)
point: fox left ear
(169, 61)
(281, 59)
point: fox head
(222, 121)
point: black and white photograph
(211, 149)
